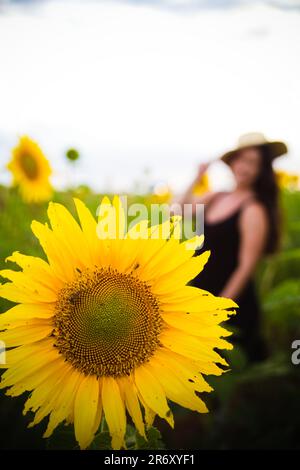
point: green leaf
(154, 440)
(102, 441)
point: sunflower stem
(103, 425)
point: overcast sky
(155, 85)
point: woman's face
(246, 166)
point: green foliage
(263, 409)
(154, 440)
(278, 280)
(63, 438)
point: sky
(147, 89)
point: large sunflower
(109, 325)
(31, 171)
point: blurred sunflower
(72, 155)
(162, 194)
(31, 171)
(202, 186)
(109, 324)
(287, 180)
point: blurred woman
(240, 227)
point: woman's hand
(202, 170)
(188, 197)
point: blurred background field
(253, 406)
(155, 85)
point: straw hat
(256, 139)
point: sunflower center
(106, 323)
(29, 166)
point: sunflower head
(31, 171)
(161, 194)
(287, 180)
(108, 326)
(72, 155)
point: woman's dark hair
(267, 192)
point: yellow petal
(18, 355)
(25, 284)
(132, 403)
(176, 387)
(170, 259)
(35, 377)
(120, 217)
(156, 241)
(37, 269)
(181, 275)
(61, 264)
(190, 346)
(190, 371)
(20, 314)
(106, 227)
(139, 231)
(44, 396)
(98, 415)
(17, 294)
(88, 224)
(24, 335)
(191, 299)
(46, 400)
(85, 410)
(114, 410)
(112, 220)
(26, 360)
(65, 401)
(149, 413)
(153, 393)
(69, 234)
(194, 324)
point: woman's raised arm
(188, 197)
(253, 230)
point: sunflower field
(149, 231)
(95, 336)
(253, 406)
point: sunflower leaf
(154, 440)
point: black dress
(223, 239)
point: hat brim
(276, 149)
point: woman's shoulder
(253, 211)
(211, 195)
